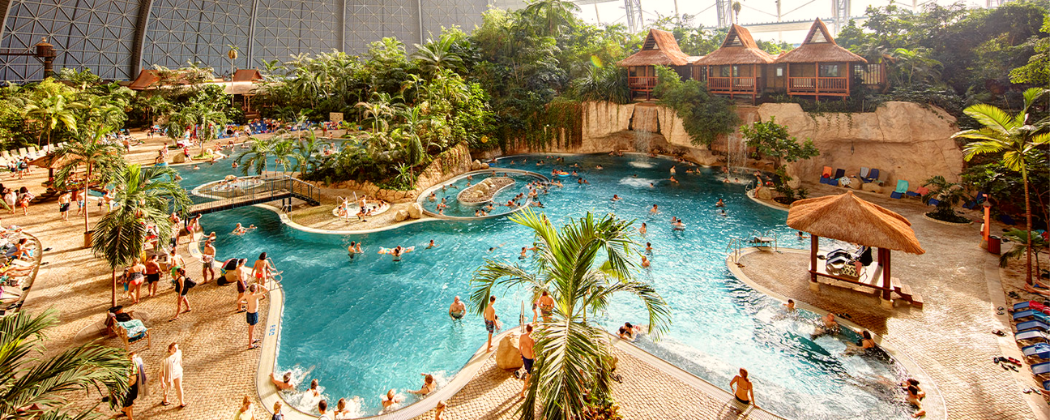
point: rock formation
(508, 356)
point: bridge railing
(267, 188)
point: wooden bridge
(270, 188)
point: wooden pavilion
(819, 67)
(737, 68)
(659, 49)
(848, 218)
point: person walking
(528, 355)
(208, 261)
(277, 414)
(152, 275)
(490, 321)
(182, 285)
(171, 376)
(136, 276)
(245, 412)
(63, 205)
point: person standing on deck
(490, 321)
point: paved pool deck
(950, 339)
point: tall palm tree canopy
(848, 218)
(572, 354)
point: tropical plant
(1017, 138)
(256, 156)
(283, 151)
(380, 108)
(305, 152)
(703, 115)
(552, 16)
(29, 379)
(572, 353)
(436, 55)
(100, 161)
(52, 110)
(152, 105)
(948, 195)
(1022, 241)
(143, 198)
(202, 117)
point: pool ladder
(736, 244)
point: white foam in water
(645, 165)
(638, 182)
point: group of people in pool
(346, 409)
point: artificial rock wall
(903, 140)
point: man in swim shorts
(457, 309)
(207, 259)
(742, 389)
(255, 293)
(528, 355)
(490, 321)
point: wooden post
(884, 260)
(849, 75)
(816, 80)
(813, 250)
(787, 77)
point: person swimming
(239, 230)
(642, 229)
(495, 247)
(616, 198)
(645, 262)
(655, 209)
(523, 255)
(720, 203)
(678, 225)
(648, 248)
(351, 250)
(431, 244)
(397, 251)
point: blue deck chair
(1033, 325)
(1039, 351)
(1032, 313)
(1041, 369)
(1007, 219)
(1031, 335)
(1046, 385)
(975, 202)
(1026, 305)
(902, 187)
(872, 176)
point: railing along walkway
(269, 188)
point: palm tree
(100, 160)
(305, 150)
(1018, 139)
(51, 111)
(379, 108)
(255, 157)
(437, 55)
(152, 105)
(283, 151)
(144, 197)
(203, 117)
(570, 351)
(554, 14)
(1021, 238)
(28, 379)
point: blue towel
(135, 328)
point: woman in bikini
(136, 276)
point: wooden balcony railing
(641, 83)
(815, 85)
(732, 84)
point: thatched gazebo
(736, 68)
(820, 67)
(848, 218)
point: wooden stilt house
(659, 49)
(820, 67)
(737, 68)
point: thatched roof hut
(738, 48)
(848, 218)
(819, 46)
(659, 49)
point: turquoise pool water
(366, 325)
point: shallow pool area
(364, 325)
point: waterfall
(736, 149)
(645, 124)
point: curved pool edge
(426, 192)
(269, 394)
(900, 356)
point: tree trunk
(87, 205)
(1028, 226)
(114, 295)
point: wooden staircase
(906, 293)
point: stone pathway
(950, 338)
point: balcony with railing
(832, 86)
(641, 87)
(733, 85)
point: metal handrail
(271, 187)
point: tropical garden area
(521, 80)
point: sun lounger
(864, 172)
(1031, 304)
(1037, 351)
(919, 192)
(872, 176)
(1032, 313)
(1031, 335)
(1041, 369)
(902, 188)
(1033, 325)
